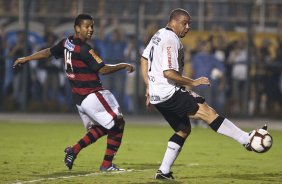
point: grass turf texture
(33, 153)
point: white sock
(229, 129)
(170, 156)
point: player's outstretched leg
(93, 134)
(225, 127)
(113, 143)
(221, 125)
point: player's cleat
(248, 147)
(161, 176)
(113, 167)
(69, 157)
(264, 127)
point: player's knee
(119, 123)
(88, 125)
(184, 133)
(205, 111)
(183, 130)
(116, 123)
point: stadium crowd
(213, 55)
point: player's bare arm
(36, 56)
(144, 71)
(182, 80)
(107, 69)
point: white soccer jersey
(164, 52)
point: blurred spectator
(99, 39)
(239, 74)
(18, 49)
(114, 46)
(218, 50)
(228, 69)
(204, 63)
(263, 57)
(272, 81)
(133, 58)
(48, 75)
(130, 57)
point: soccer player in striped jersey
(97, 107)
(162, 64)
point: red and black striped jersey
(81, 66)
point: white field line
(86, 175)
(72, 176)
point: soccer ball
(261, 141)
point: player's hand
(130, 68)
(147, 103)
(19, 62)
(202, 81)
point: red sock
(94, 133)
(113, 143)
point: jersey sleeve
(170, 54)
(58, 49)
(146, 51)
(90, 58)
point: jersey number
(68, 64)
(151, 58)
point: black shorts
(176, 109)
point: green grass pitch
(33, 153)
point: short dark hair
(82, 17)
(174, 14)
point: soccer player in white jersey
(162, 65)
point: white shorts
(99, 108)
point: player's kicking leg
(104, 109)
(94, 133)
(222, 125)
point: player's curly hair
(82, 17)
(174, 14)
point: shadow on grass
(161, 181)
